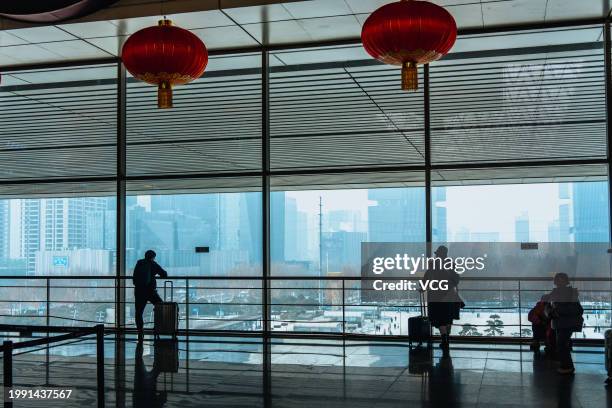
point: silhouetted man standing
(145, 286)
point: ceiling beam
(124, 9)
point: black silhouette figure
(145, 286)
(443, 305)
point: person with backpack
(145, 286)
(566, 313)
(541, 327)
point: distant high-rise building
(554, 232)
(564, 191)
(53, 224)
(439, 215)
(590, 211)
(251, 230)
(341, 251)
(304, 236)
(463, 235)
(277, 226)
(291, 229)
(343, 220)
(521, 228)
(397, 216)
(5, 233)
(484, 237)
(565, 232)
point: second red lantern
(165, 55)
(408, 33)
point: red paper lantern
(165, 55)
(408, 33)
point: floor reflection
(229, 372)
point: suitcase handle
(422, 303)
(171, 290)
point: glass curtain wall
(57, 125)
(202, 224)
(516, 153)
(543, 99)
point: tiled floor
(229, 372)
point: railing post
(520, 310)
(8, 370)
(48, 321)
(343, 309)
(48, 302)
(187, 312)
(100, 363)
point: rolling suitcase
(166, 315)
(419, 327)
(608, 354)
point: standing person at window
(443, 305)
(145, 286)
(566, 312)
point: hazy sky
(487, 208)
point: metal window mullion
(427, 125)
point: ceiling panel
(297, 22)
(512, 12)
(331, 28)
(112, 45)
(25, 54)
(189, 21)
(225, 37)
(77, 49)
(318, 8)
(278, 32)
(92, 29)
(361, 7)
(42, 34)
(568, 9)
(7, 39)
(259, 14)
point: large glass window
(214, 126)
(569, 223)
(223, 216)
(336, 107)
(528, 95)
(318, 224)
(51, 236)
(58, 123)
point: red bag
(537, 315)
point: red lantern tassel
(164, 95)
(410, 77)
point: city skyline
(52, 235)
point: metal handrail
(349, 284)
(9, 346)
(307, 278)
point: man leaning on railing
(145, 286)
